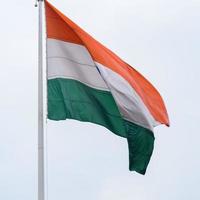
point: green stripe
(71, 99)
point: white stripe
(129, 103)
(67, 60)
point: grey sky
(160, 38)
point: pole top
(36, 2)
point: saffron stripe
(64, 29)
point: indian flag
(88, 82)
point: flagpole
(41, 164)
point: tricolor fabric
(88, 82)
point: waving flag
(88, 82)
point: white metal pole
(41, 164)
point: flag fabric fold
(88, 82)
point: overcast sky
(161, 39)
